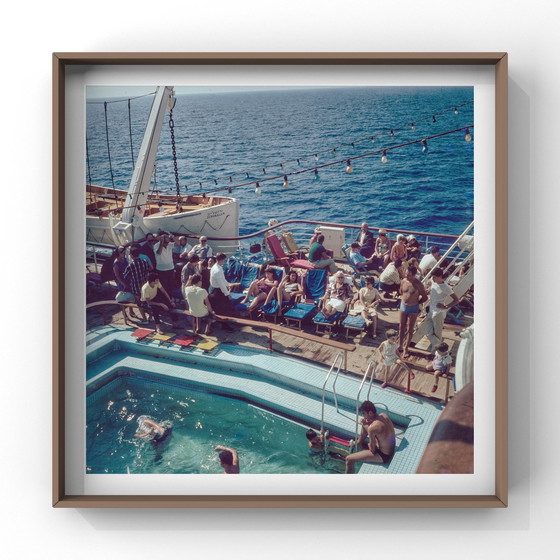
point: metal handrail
(340, 356)
(373, 365)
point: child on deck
(441, 363)
(389, 354)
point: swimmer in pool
(317, 443)
(151, 430)
(228, 459)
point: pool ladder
(339, 359)
(370, 371)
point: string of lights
(347, 161)
(385, 132)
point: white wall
(528, 31)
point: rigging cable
(130, 135)
(109, 154)
(87, 161)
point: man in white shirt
(219, 289)
(430, 260)
(439, 292)
(165, 266)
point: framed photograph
(264, 265)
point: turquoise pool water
(266, 443)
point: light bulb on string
(257, 189)
(372, 139)
(456, 111)
(348, 166)
(334, 151)
(286, 185)
(384, 156)
(425, 148)
(433, 118)
(316, 157)
(230, 190)
(392, 134)
(264, 171)
(317, 177)
(468, 136)
(412, 127)
(353, 145)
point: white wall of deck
(31, 32)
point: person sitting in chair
(337, 297)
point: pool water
(265, 442)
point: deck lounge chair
(314, 287)
(335, 319)
(284, 259)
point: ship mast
(130, 226)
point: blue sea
(254, 135)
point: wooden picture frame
(61, 63)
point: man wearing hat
(413, 247)
(203, 250)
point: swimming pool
(274, 382)
(266, 443)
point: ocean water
(252, 136)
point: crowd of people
(148, 272)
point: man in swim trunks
(380, 432)
(412, 295)
(229, 459)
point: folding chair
(282, 258)
(329, 322)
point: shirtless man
(229, 459)
(412, 295)
(381, 433)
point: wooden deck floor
(255, 337)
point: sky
(106, 92)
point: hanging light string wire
(385, 132)
(344, 160)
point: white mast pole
(135, 204)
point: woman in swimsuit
(262, 289)
(382, 245)
(290, 288)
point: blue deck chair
(246, 274)
(314, 287)
(272, 309)
(321, 321)
(249, 274)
